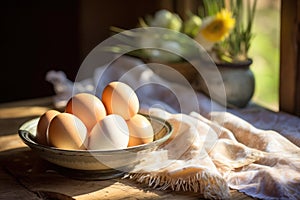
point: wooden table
(23, 175)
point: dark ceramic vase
(237, 80)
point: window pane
(265, 53)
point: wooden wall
(38, 36)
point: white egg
(109, 133)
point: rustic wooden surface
(23, 175)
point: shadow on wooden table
(34, 175)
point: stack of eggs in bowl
(94, 124)
(96, 138)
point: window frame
(289, 85)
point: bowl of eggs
(96, 138)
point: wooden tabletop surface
(23, 175)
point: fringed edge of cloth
(210, 186)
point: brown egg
(66, 131)
(87, 107)
(140, 130)
(119, 98)
(42, 126)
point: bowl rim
(27, 138)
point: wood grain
(289, 98)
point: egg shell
(66, 131)
(119, 98)
(87, 107)
(109, 133)
(140, 130)
(42, 126)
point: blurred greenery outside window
(265, 53)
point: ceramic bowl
(95, 164)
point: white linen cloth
(210, 150)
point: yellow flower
(217, 28)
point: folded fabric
(208, 158)
(207, 153)
(276, 175)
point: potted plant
(231, 54)
(220, 28)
